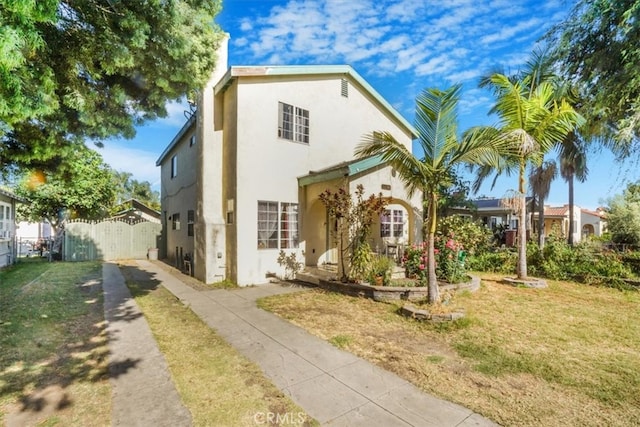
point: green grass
(341, 341)
(52, 337)
(565, 355)
(217, 384)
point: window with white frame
(277, 225)
(5, 221)
(288, 225)
(191, 216)
(392, 223)
(175, 218)
(174, 166)
(293, 123)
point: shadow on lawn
(38, 370)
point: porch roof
(344, 169)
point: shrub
(449, 257)
(473, 236)
(380, 266)
(496, 261)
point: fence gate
(109, 240)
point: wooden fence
(109, 240)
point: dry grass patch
(53, 367)
(218, 385)
(565, 355)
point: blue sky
(400, 47)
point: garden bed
(394, 293)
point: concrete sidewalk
(333, 386)
(143, 392)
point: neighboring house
(133, 210)
(31, 237)
(493, 213)
(594, 223)
(8, 202)
(586, 223)
(496, 215)
(241, 179)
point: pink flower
(451, 244)
(421, 267)
(436, 251)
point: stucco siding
(178, 196)
(268, 166)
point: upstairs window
(293, 123)
(174, 166)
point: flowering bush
(449, 257)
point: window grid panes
(267, 225)
(277, 225)
(174, 166)
(176, 222)
(293, 123)
(289, 225)
(392, 223)
(190, 220)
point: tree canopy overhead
(92, 69)
(598, 47)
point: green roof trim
(345, 169)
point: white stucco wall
(268, 166)
(594, 220)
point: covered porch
(399, 225)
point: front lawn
(53, 347)
(564, 355)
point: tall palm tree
(573, 165)
(436, 124)
(531, 120)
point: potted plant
(380, 270)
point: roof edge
(189, 123)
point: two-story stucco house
(7, 227)
(241, 179)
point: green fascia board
(345, 170)
(297, 70)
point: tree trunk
(541, 225)
(522, 227)
(571, 221)
(432, 280)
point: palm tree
(540, 180)
(532, 121)
(436, 125)
(573, 165)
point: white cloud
(122, 157)
(175, 114)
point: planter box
(392, 293)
